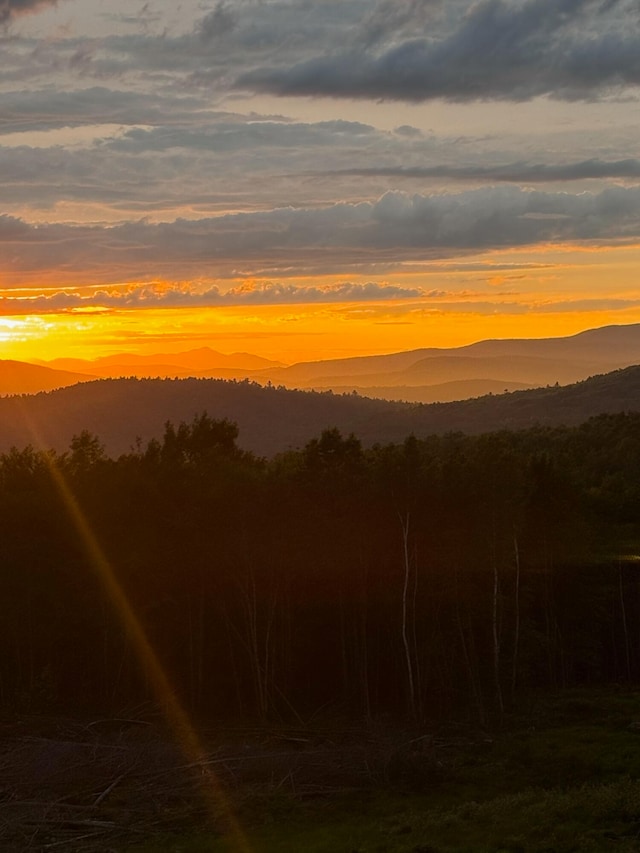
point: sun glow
(303, 333)
(9, 328)
(544, 291)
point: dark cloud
(526, 173)
(217, 23)
(10, 9)
(499, 49)
(397, 228)
(393, 16)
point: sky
(311, 179)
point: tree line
(453, 575)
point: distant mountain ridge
(532, 362)
(420, 375)
(202, 358)
(272, 420)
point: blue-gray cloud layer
(527, 173)
(499, 49)
(397, 227)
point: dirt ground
(98, 786)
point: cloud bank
(397, 227)
(265, 293)
(525, 173)
(512, 50)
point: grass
(561, 779)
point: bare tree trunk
(251, 612)
(496, 640)
(405, 637)
(625, 628)
(516, 631)
(414, 635)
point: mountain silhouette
(421, 375)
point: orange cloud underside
(515, 293)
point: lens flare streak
(218, 805)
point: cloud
(217, 23)
(220, 162)
(264, 293)
(393, 16)
(10, 9)
(500, 49)
(232, 136)
(44, 109)
(526, 173)
(398, 227)
(396, 300)
(271, 293)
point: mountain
(19, 377)
(608, 345)
(435, 370)
(492, 365)
(541, 361)
(274, 419)
(203, 358)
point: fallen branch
(108, 790)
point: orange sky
(538, 292)
(307, 181)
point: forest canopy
(444, 576)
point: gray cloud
(568, 49)
(394, 16)
(398, 227)
(217, 23)
(10, 9)
(266, 293)
(233, 136)
(410, 50)
(183, 169)
(43, 109)
(527, 173)
(275, 294)
(205, 51)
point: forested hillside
(275, 419)
(446, 576)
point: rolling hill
(20, 377)
(275, 419)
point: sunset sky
(315, 178)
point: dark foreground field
(563, 776)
